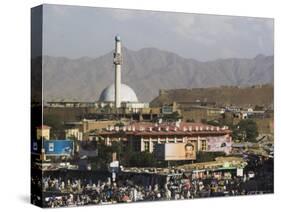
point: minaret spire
(117, 61)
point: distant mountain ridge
(147, 71)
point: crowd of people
(62, 189)
(74, 192)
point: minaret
(117, 61)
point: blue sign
(36, 146)
(58, 147)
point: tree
(214, 122)
(54, 122)
(220, 122)
(57, 125)
(208, 156)
(142, 159)
(104, 156)
(246, 130)
(172, 117)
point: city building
(43, 132)
(45, 148)
(200, 113)
(74, 133)
(143, 136)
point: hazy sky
(74, 32)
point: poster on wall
(176, 151)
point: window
(146, 146)
(154, 146)
(51, 147)
(203, 145)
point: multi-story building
(143, 136)
(73, 133)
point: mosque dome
(127, 94)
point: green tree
(208, 156)
(104, 156)
(172, 117)
(142, 159)
(56, 124)
(246, 130)
(214, 122)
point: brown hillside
(226, 95)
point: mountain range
(146, 71)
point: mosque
(119, 95)
(127, 94)
(116, 96)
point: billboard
(58, 147)
(175, 151)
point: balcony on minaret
(117, 58)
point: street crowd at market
(72, 192)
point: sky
(74, 32)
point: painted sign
(58, 147)
(175, 151)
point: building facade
(143, 136)
(43, 132)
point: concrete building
(200, 113)
(134, 107)
(47, 149)
(143, 136)
(169, 108)
(43, 132)
(74, 133)
(90, 125)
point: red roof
(183, 128)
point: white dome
(127, 94)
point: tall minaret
(117, 61)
